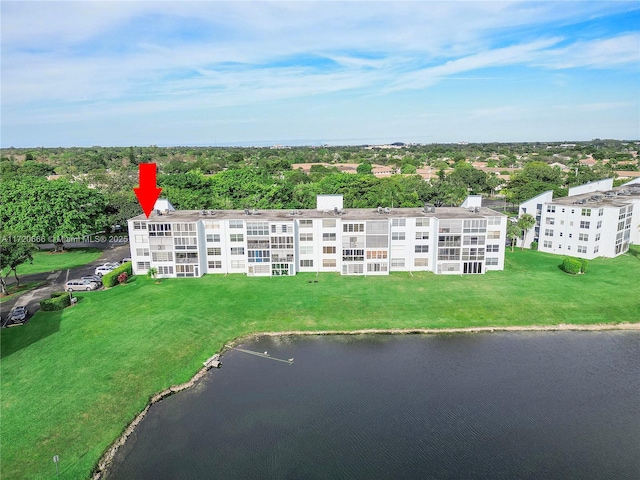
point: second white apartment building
(594, 220)
(444, 240)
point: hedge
(111, 278)
(584, 265)
(58, 301)
(571, 265)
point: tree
(364, 168)
(51, 210)
(513, 232)
(526, 222)
(14, 251)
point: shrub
(571, 265)
(111, 278)
(122, 278)
(584, 263)
(534, 245)
(59, 302)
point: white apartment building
(594, 220)
(446, 240)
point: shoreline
(106, 459)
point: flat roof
(346, 214)
(617, 197)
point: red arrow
(147, 192)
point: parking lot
(55, 281)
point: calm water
(553, 405)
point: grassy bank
(72, 380)
(48, 261)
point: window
(493, 234)
(448, 254)
(421, 262)
(582, 249)
(142, 252)
(376, 267)
(601, 212)
(357, 268)
(551, 209)
(397, 262)
(236, 237)
(258, 256)
(571, 235)
(185, 243)
(237, 251)
(475, 226)
(306, 263)
(237, 263)
(599, 225)
(397, 236)
(306, 250)
(139, 238)
(422, 249)
(139, 225)
(328, 250)
(547, 244)
(561, 234)
(422, 222)
(215, 264)
(211, 224)
(257, 228)
(329, 223)
(584, 224)
(306, 237)
(596, 248)
(353, 227)
(162, 257)
(586, 212)
(159, 229)
(474, 240)
(306, 223)
(583, 237)
(376, 254)
(235, 224)
(377, 241)
(214, 251)
(166, 270)
(548, 233)
(398, 222)
(144, 265)
(422, 235)
(494, 221)
(213, 237)
(491, 261)
(597, 237)
(493, 248)
(550, 221)
(352, 255)
(329, 262)
(328, 237)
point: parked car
(125, 260)
(79, 284)
(19, 314)
(103, 269)
(93, 278)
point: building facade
(594, 220)
(444, 240)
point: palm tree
(525, 222)
(513, 232)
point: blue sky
(261, 73)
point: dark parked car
(92, 278)
(19, 314)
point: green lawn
(49, 261)
(72, 380)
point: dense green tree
(15, 249)
(51, 210)
(364, 168)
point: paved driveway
(55, 280)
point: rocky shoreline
(108, 456)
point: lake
(446, 406)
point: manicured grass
(49, 261)
(13, 291)
(72, 380)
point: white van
(104, 269)
(79, 284)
